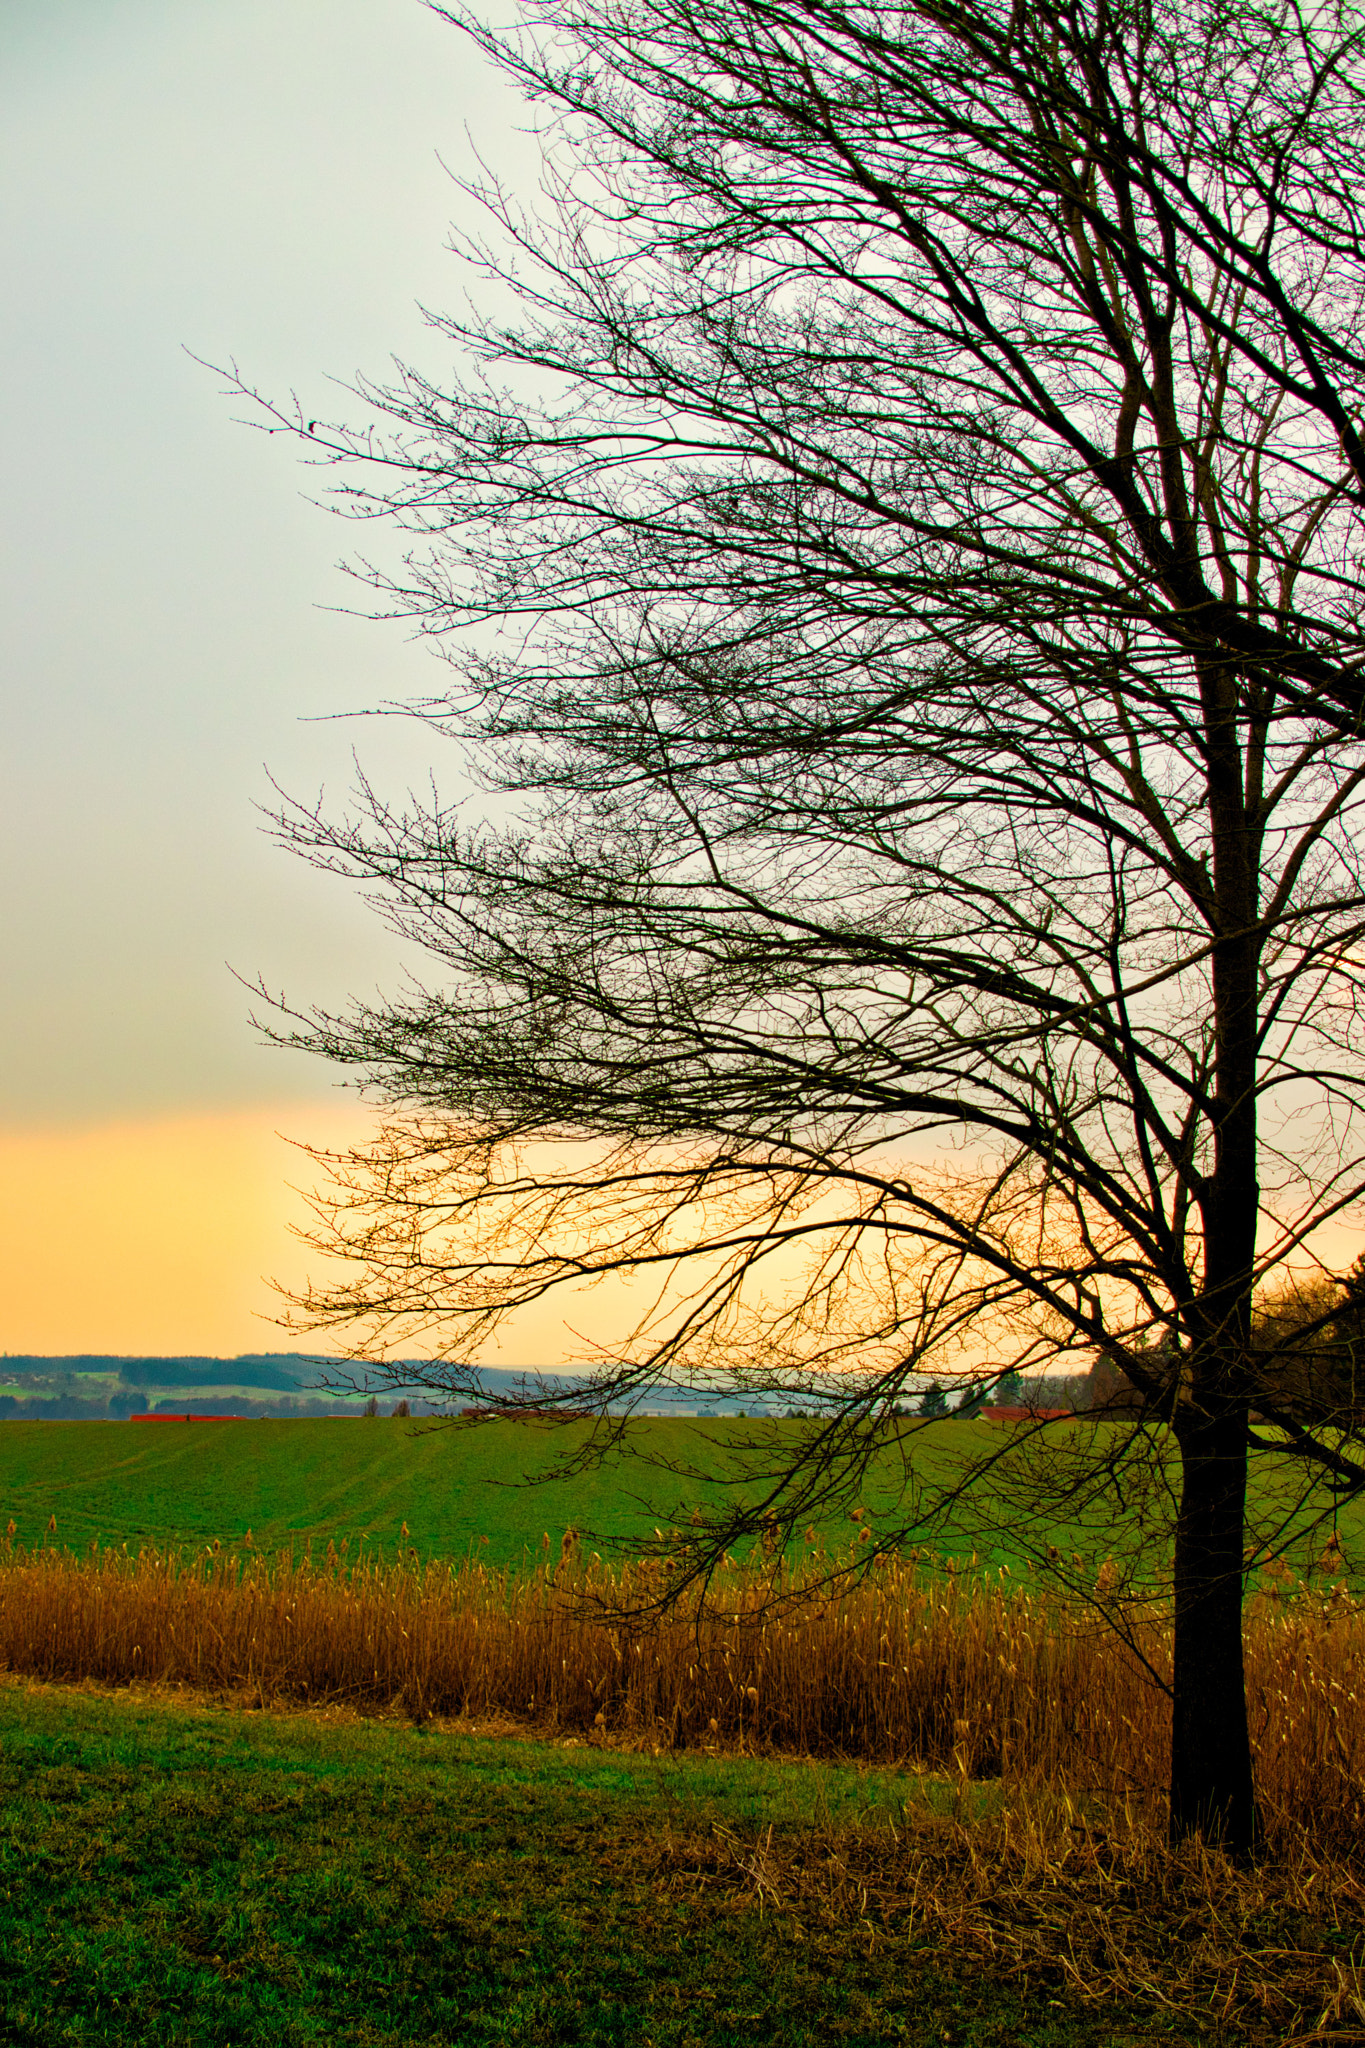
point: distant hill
(67, 1387)
(284, 1371)
(91, 1385)
(281, 1374)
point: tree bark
(1211, 1778)
(1212, 1790)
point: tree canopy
(899, 571)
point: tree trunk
(1212, 1792)
(1211, 1779)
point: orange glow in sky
(156, 1235)
(161, 1236)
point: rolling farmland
(458, 1490)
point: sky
(267, 181)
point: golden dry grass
(951, 1673)
(1093, 1905)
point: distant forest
(95, 1387)
(102, 1387)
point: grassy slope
(186, 1482)
(168, 1482)
(197, 1876)
(165, 1482)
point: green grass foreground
(459, 1490)
(189, 1874)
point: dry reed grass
(952, 1673)
(1093, 1905)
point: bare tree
(919, 505)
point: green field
(164, 1483)
(187, 1875)
(177, 1871)
(457, 1489)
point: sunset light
(156, 1235)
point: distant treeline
(59, 1389)
(283, 1376)
(76, 1408)
(282, 1371)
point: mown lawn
(458, 1490)
(185, 1874)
